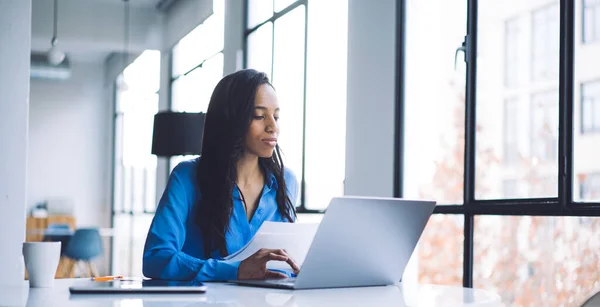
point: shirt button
(260, 211)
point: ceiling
(90, 30)
(132, 3)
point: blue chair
(84, 246)
(58, 233)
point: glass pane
(187, 91)
(143, 75)
(537, 261)
(326, 101)
(214, 31)
(128, 245)
(591, 20)
(192, 92)
(288, 80)
(517, 100)
(586, 106)
(137, 165)
(545, 44)
(187, 54)
(212, 71)
(282, 4)
(439, 256)
(260, 49)
(434, 119)
(259, 11)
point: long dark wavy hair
(229, 115)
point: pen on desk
(107, 278)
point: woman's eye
(258, 117)
(276, 118)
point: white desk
(221, 294)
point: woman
(212, 206)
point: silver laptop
(361, 241)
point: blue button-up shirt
(175, 246)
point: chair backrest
(58, 229)
(85, 244)
(593, 301)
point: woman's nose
(271, 124)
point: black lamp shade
(177, 134)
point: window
(509, 188)
(134, 181)
(512, 128)
(515, 52)
(302, 48)
(590, 107)
(544, 126)
(590, 187)
(135, 107)
(522, 257)
(545, 34)
(591, 20)
(197, 67)
(505, 164)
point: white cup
(41, 261)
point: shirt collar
(272, 182)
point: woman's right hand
(255, 266)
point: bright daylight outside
(529, 260)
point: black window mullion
(468, 253)
(470, 104)
(565, 107)
(399, 103)
(274, 17)
(470, 134)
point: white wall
(70, 134)
(15, 35)
(371, 96)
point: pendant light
(122, 85)
(55, 55)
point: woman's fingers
(273, 275)
(281, 255)
(274, 256)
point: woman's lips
(272, 142)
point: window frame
(563, 204)
(595, 103)
(247, 31)
(595, 34)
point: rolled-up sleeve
(163, 257)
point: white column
(233, 51)
(371, 96)
(164, 94)
(15, 47)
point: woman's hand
(255, 266)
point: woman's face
(264, 129)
